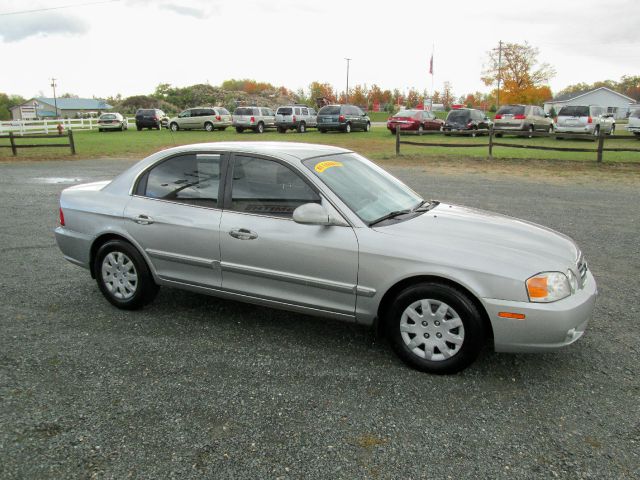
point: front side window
(185, 114)
(266, 187)
(365, 188)
(192, 179)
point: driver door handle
(143, 219)
(243, 234)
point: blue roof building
(45, 107)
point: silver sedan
(321, 230)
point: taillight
(61, 219)
(519, 117)
(294, 118)
(589, 120)
(498, 117)
(341, 118)
(218, 117)
(252, 119)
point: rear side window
(243, 111)
(330, 110)
(511, 110)
(304, 111)
(190, 179)
(574, 111)
(223, 111)
(635, 114)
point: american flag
(431, 65)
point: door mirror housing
(313, 214)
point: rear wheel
(123, 276)
(613, 129)
(322, 130)
(138, 127)
(596, 131)
(530, 131)
(435, 328)
(302, 127)
(259, 128)
(474, 131)
(550, 129)
(421, 129)
(347, 128)
(239, 129)
(282, 130)
(208, 126)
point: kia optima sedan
(323, 231)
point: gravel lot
(195, 387)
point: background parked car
(149, 118)
(587, 119)
(257, 119)
(522, 118)
(414, 120)
(344, 118)
(634, 123)
(201, 118)
(466, 119)
(112, 121)
(295, 117)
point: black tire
(208, 126)
(239, 129)
(322, 130)
(472, 330)
(498, 135)
(259, 128)
(99, 130)
(302, 127)
(145, 288)
(474, 132)
(347, 128)
(367, 127)
(282, 130)
(596, 132)
(530, 131)
(139, 127)
(420, 129)
(613, 129)
(637, 134)
(174, 127)
(159, 126)
(222, 129)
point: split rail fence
(15, 141)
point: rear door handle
(143, 219)
(243, 234)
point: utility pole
(346, 95)
(55, 100)
(499, 73)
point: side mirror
(312, 214)
(486, 118)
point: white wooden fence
(23, 127)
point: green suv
(344, 118)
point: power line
(57, 8)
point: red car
(416, 120)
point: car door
(265, 254)
(174, 215)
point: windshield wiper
(423, 206)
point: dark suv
(149, 118)
(466, 119)
(343, 117)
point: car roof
(297, 150)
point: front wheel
(347, 128)
(613, 129)
(435, 328)
(367, 127)
(302, 127)
(208, 127)
(322, 130)
(259, 128)
(174, 127)
(123, 276)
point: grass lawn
(379, 144)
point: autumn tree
(522, 77)
(321, 90)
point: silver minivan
(521, 118)
(257, 119)
(201, 118)
(295, 117)
(588, 119)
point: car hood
(479, 240)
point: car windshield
(635, 114)
(364, 187)
(285, 111)
(406, 113)
(330, 110)
(574, 111)
(145, 112)
(243, 111)
(458, 116)
(108, 116)
(511, 110)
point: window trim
(144, 175)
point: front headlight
(548, 287)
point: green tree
(8, 101)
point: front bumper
(547, 326)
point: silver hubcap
(432, 330)
(119, 275)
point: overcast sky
(130, 46)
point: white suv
(634, 123)
(257, 119)
(295, 117)
(589, 119)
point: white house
(616, 103)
